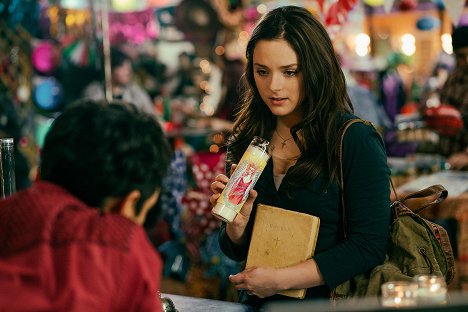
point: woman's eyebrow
(284, 66)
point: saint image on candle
(242, 183)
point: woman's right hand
(235, 229)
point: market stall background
(189, 56)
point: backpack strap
(435, 190)
(340, 163)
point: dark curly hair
(96, 150)
(325, 97)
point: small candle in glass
(399, 294)
(432, 289)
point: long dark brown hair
(325, 96)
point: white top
(278, 179)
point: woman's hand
(258, 281)
(235, 229)
(266, 281)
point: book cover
(282, 238)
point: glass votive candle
(399, 294)
(432, 289)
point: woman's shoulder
(361, 127)
(359, 133)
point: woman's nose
(276, 82)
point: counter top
(191, 304)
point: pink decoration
(251, 14)
(336, 13)
(45, 57)
(134, 27)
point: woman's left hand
(258, 281)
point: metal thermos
(8, 180)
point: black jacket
(367, 202)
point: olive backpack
(415, 246)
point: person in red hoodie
(73, 241)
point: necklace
(283, 144)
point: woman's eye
(262, 72)
(291, 73)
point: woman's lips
(277, 100)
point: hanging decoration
(79, 52)
(427, 23)
(48, 94)
(374, 3)
(408, 5)
(454, 9)
(335, 12)
(56, 22)
(45, 57)
(134, 27)
(251, 16)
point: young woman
(297, 99)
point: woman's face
(278, 78)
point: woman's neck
(284, 125)
(285, 151)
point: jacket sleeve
(236, 253)
(367, 207)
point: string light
(362, 42)
(203, 84)
(219, 50)
(261, 8)
(447, 43)
(408, 44)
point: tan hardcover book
(282, 238)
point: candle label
(244, 178)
